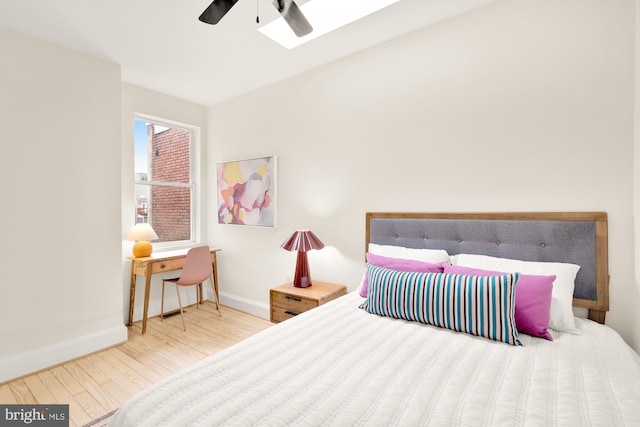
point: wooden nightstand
(288, 301)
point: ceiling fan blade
(293, 16)
(216, 10)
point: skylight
(324, 16)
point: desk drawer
(295, 303)
(167, 265)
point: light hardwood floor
(101, 382)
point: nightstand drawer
(278, 314)
(288, 301)
(295, 303)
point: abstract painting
(247, 192)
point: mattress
(338, 365)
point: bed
(344, 364)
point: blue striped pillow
(477, 305)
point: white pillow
(426, 255)
(433, 256)
(562, 295)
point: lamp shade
(142, 231)
(302, 241)
(141, 234)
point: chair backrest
(197, 266)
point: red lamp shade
(302, 241)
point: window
(165, 188)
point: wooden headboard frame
(574, 237)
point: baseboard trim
(31, 361)
(247, 305)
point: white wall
(524, 105)
(636, 178)
(60, 295)
(139, 100)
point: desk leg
(132, 294)
(147, 288)
(215, 279)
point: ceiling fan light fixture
(325, 16)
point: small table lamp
(142, 233)
(302, 241)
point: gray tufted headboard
(572, 237)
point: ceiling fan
(287, 8)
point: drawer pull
(163, 265)
(291, 313)
(292, 298)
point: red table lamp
(302, 241)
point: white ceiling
(161, 45)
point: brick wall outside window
(170, 207)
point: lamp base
(142, 249)
(302, 282)
(302, 277)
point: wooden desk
(159, 263)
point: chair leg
(198, 290)
(215, 295)
(184, 327)
(162, 303)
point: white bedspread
(337, 365)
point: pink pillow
(533, 299)
(398, 264)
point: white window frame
(194, 180)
